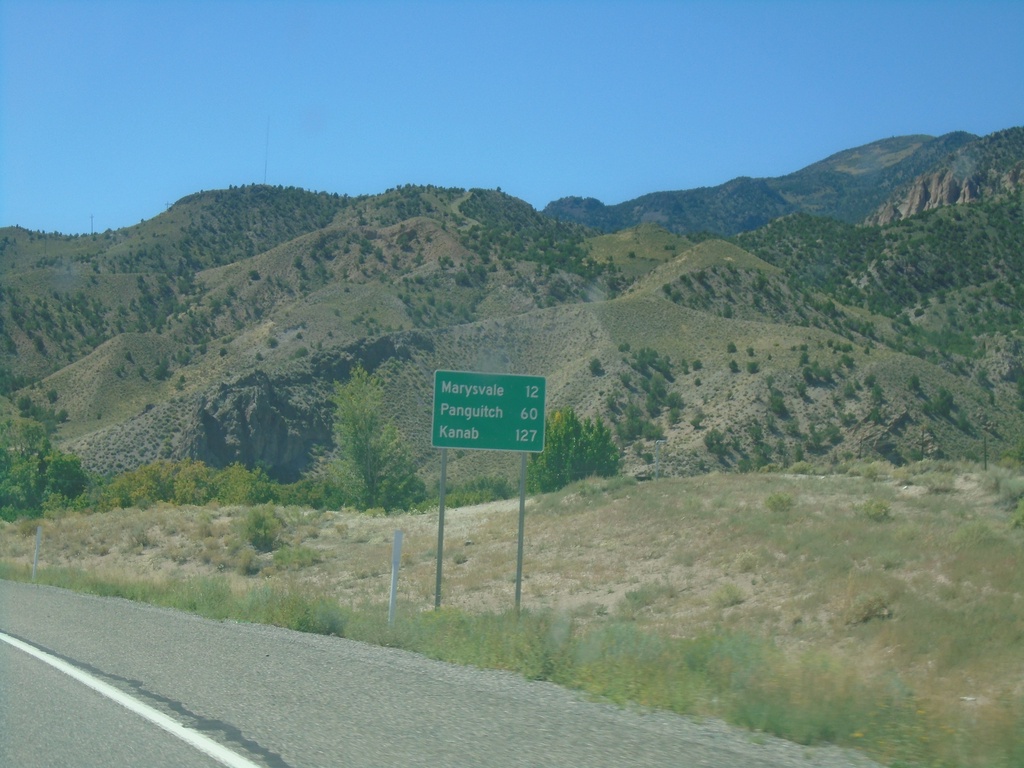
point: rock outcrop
(278, 419)
(987, 168)
(257, 422)
(925, 193)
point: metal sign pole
(440, 529)
(522, 525)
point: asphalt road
(281, 698)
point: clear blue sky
(112, 109)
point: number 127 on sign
(526, 435)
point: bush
(479, 491)
(877, 510)
(140, 488)
(727, 595)
(262, 527)
(779, 502)
(193, 483)
(247, 563)
(237, 485)
(1017, 521)
(714, 441)
(295, 557)
(865, 607)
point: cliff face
(990, 167)
(932, 191)
(256, 422)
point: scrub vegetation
(865, 605)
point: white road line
(203, 743)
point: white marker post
(396, 560)
(35, 558)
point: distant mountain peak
(850, 186)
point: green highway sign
(488, 411)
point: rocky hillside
(989, 167)
(218, 329)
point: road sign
(488, 411)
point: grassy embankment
(873, 607)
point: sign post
(522, 525)
(440, 528)
(488, 412)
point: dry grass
(794, 557)
(929, 593)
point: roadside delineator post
(396, 561)
(35, 558)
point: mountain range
(879, 182)
(866, 306)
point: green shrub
(237, 485)
(877, 510)
(262, 527)
(296, 557)
(973, 534)
(480, 490)
(867, 606)
(779, 502)
(727, 596)
(247, 563)
(1017, 521)
(645, 596)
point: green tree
(32, 471)
(141, 487)
(573, 450)
(194, 483)
(375, 468)
(65, 476)
(714, 441)
(237, 485)
(23, 450)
